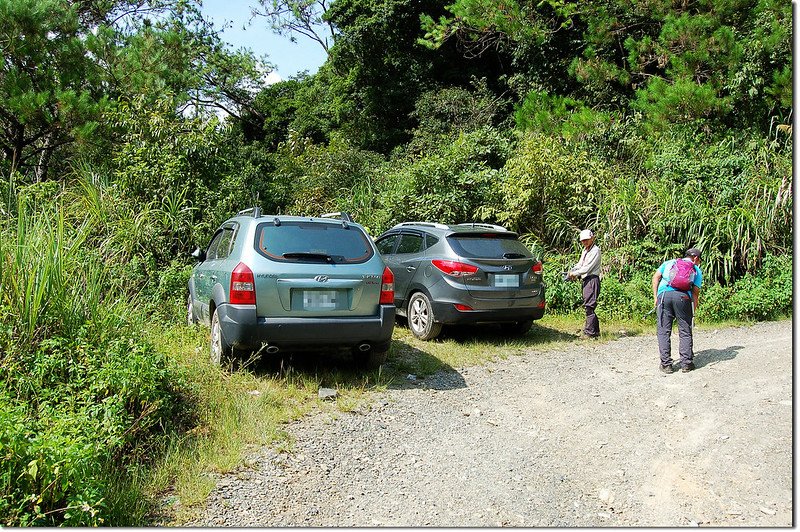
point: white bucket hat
(586, 235)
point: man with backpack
(676, 289)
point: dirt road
(590, 435)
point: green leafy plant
(83, 396)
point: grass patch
(234, 411)
(238, 411)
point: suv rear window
(312, 242)
(488, 246)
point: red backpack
(681, 275)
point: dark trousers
(591, 289)
(674, 306)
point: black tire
(371, 359)
(518, 328)
(421, 320)
(221, 351)
(191, 318)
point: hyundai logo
(507, 267)
(321, 278)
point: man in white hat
(588, 269)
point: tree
(720, 62)
(66, 62)
(306, 17)
(380, 68)
(49, 85)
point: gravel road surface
(589, 435)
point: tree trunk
(44, 158)
(17, 145)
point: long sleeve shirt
(589, 263)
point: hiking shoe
(687, 368)
(667, 369)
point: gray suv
(292, 283)
(462, 274)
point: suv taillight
(387, 287)
(454, 268)
(243, 285)
(537, 267)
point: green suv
(289, 283)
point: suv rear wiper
(301, 255)
(513, 256)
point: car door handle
(411, 268)
(213, 277)
(202, 276)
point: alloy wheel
(421, 319)
(216, 341)
(419, 315)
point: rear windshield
(488, 246)
(313, 242)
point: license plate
(506, 280)
(319, 299)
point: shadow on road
(410, 364)
(337, 368)
(709, 357)
(414, 367)
(494, 334)
(305, 362)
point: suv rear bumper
(448, 314)
(243, 329)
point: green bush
(764, 295)
(313, 179)
(444, 113)
(715, 302)
(75, 414)
(166, 298)
(558, 116)
(455, 184)
(83, 398)
(550, 187)
(563, 297)
(630, 300)
(727, 197)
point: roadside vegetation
(658, 128)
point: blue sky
(287, 57)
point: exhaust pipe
(364, 347)
(272, 349)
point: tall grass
(49, 283)
(82, 396)
(731, 199)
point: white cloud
(272, 77)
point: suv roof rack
(424, 224)
(255, 210)
(484, 226)
(344, 216)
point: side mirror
(199, 254)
